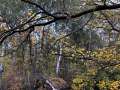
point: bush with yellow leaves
(78, 83)
(115, 85)
(103, 85)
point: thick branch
(62, 17)
(35, 4)
(97, 8)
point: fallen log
(51, 83)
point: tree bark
(59, 58)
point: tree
(43, 30)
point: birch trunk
(59, 58)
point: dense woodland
(59, 45)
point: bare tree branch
(110, 23)
(61, 17)
(74, 30)
(35, 4)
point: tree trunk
(59, 58)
